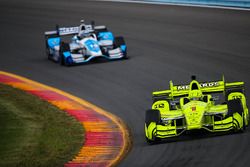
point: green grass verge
(35, 133)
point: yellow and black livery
(214, 106)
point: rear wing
(206, 88)
(63, 31)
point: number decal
(161, 105)
(237, 97)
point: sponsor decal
(183, 87)
(210, 84)
(203, 85)
(161, 105)
(68, 30)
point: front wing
(177, 127)
(79, 58)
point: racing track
(165, 42)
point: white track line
(175, 4)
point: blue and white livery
(87, 42)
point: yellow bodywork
(194, 108)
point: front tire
(64, 47)
(47, 48)
(235, 106)
(152, 116)
(118, 42)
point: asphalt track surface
(164, 43)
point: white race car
(88, 42)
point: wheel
(47, 37)
(61, 60)
(64, 47)
(234, 105)
(47, 48)
(119, 41)
(152, 116)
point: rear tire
(47, 46)
(119, 41)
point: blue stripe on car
(66, 54)
(106, 36)
(92, 45)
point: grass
(35, 133)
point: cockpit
(85, 30)
(195, 93)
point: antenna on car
(57, 29)
(193, 77)
(92, 23)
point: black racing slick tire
(47, 37)
(64, 47)
(152, 116)
(47, 47)
(119, 41)
(234, 105)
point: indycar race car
(88, 42)
(213, 106)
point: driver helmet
(84, 33)
(74, 38)
(195, 95)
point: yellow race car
(214, 106)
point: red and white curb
(106, 136)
